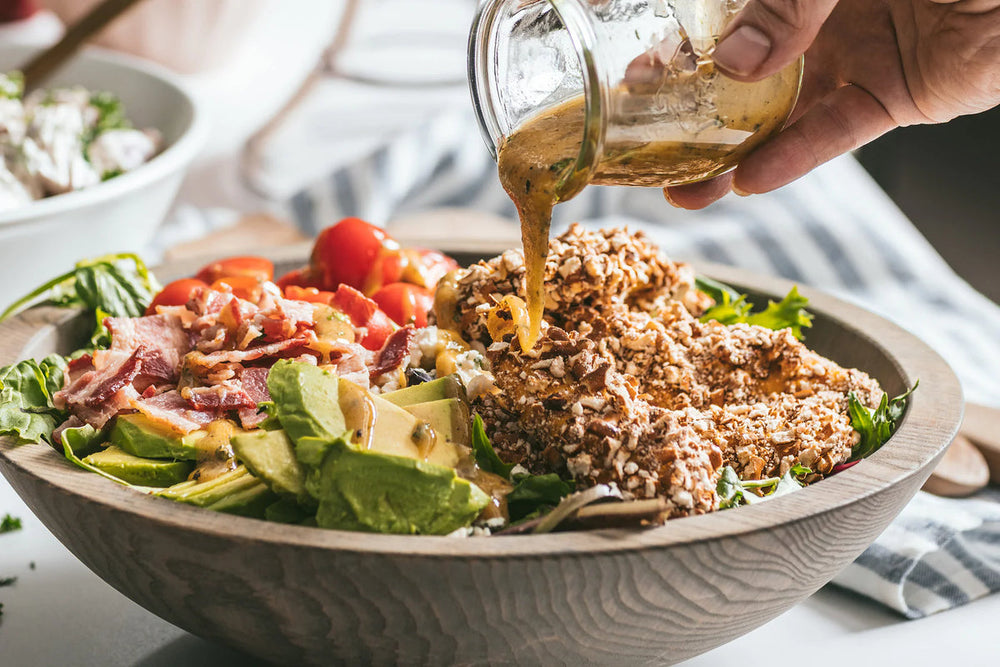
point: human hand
(871, 66)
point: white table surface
(59, 613)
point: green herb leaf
(26, 390)
(533, 493)
(12, 85)
(486, 456)
(733, 308)
(875, 426)
(9, 524)
(110, 115)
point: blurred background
(323, 108)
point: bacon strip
(395, 352)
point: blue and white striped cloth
(833, 229)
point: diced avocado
(393, 430)
(305, 399)
(270, 456)
(435, 390)
(137, 470)
(139, 436)
(449, 417)
(370, 491)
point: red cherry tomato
(255, 267)
(299, 278)
(405, 303)
(176, 293)
(363, 312)
(347, 253)
(310, 294)
(427, 267)
(243, 287)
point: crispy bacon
(170, 410)
(219, 398)
(395, 352)
(163, 333)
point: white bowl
(40, 240)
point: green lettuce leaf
(26, 390)
(733, 491)
(110, 286)
(733, 308)
(875, 426)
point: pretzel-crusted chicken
(627, 386)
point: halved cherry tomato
(303, 277)
(243, 287)
(347, 253)
(364, 312)
(176, 293)
(427, 267)
(255, 267)
(405, 303)
(310, 294)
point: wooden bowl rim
(931, 422)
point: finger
(767, 35)
(698, 195)
(846, 119)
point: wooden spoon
(41, 67)
(961, 472)
(982, 427)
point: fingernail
(742, 193)
(743, 51)
(666, 195)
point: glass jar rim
(596, 85)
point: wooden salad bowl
(298, 595)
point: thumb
(767, 35)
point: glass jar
(619, 92)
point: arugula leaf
(110, 286)
(486, 456)
(26, 389)
(733, 308)
(532, 493)
(9, 524)
(875, 426)
(733, 491)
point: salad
(385, 389)
(63, 139)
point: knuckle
(793, 16)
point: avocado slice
(137, 470)
(306, 400)
(449, 417)
(374, 492)
(394, 430)
(235, 492)
(139, 436)
(270, 456)
(435, 390)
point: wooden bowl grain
(297, 595)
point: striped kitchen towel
(834, 229)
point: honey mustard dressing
(537, 160)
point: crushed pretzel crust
(627, 386)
